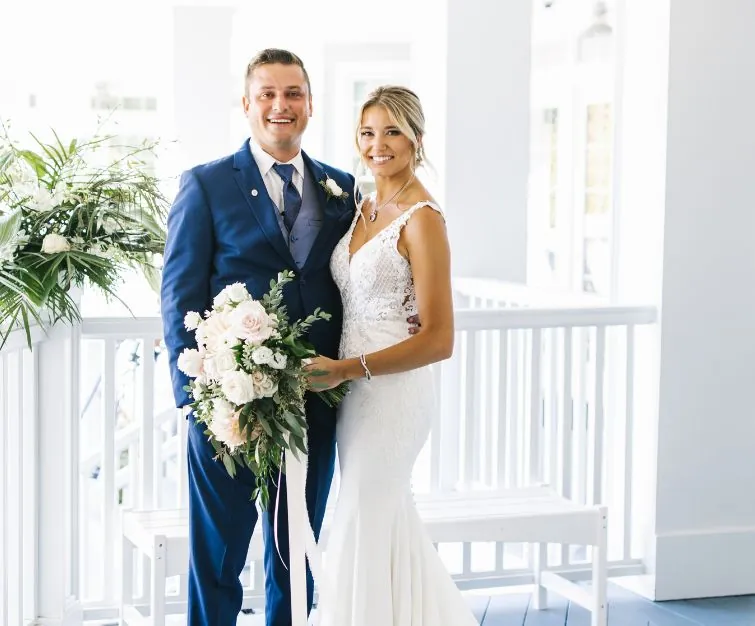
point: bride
(394, 261)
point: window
(570, 207)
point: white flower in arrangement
(192, 320)
(211, 330)
(262, 355)
(249, 321)
(190, 362)
(279, 361)
(223, 362)
(238, 387)
(227, 340)
(233, 293)
(264, 386)
(225, 424)
(54, 243)
(43, 200)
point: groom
(245, 218)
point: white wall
(705, 525)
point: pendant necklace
(374, 212)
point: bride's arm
(425, 242)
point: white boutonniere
(332, 190)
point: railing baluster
(535, 470)
(472, 418)
(567, 429)
(628, 442)
(599, 421)
(504, 415)
(451, 415)
(148, 451)
(108, 469)
(580, 416)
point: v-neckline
(351, 254)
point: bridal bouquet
(249, 386)
(67, 216)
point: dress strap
(394, 230)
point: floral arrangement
(64, 221)
(249, 385)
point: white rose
(279, 361)
(250, 322)
(54, 243)
(234, 293)
(333, 187)
(192, 320)
(224, 424)
(238, 387)
(264, 386)
(262, 355)
(227, 340)
(190, 362)
(211, 330)
(224, 361)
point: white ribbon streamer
(301, 539)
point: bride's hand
(323, 373)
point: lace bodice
(376, 287)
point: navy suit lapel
(249, 179)
(332, 211)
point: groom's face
(278, 106)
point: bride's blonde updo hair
(404, 109)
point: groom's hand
(414, 324)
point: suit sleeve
(187, 267)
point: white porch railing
(531, 394)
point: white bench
(162, 536)
(535, 515)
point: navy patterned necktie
(291, 197)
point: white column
(487, 136)
(705, 502)
(203, 88)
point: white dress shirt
(273, 182)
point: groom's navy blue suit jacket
(220, 232)
(222, 229)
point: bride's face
(384, 148)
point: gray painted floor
(624, 609)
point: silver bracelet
(363, 361)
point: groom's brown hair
(274, 55)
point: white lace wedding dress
(381, 568)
